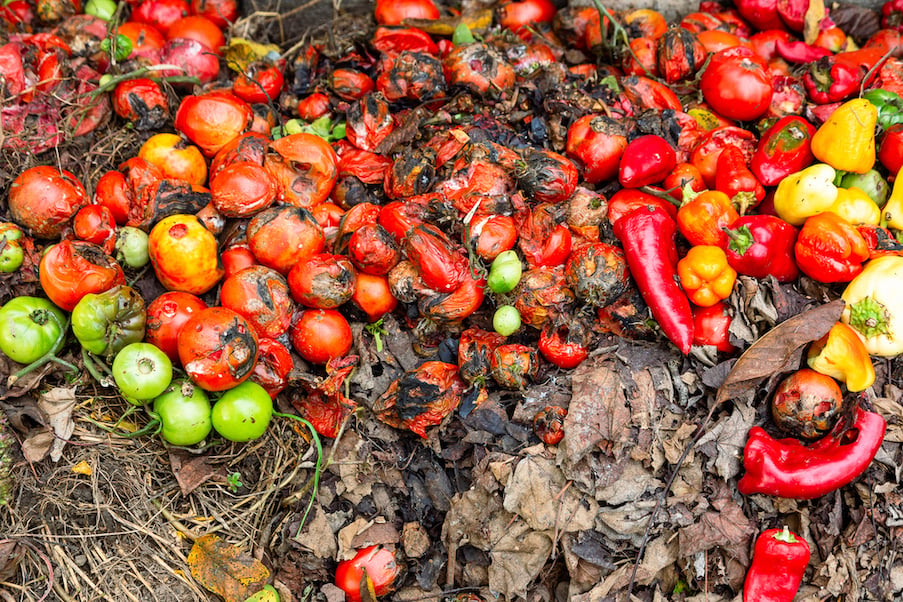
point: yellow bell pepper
(892, 214)
(806, 193)
(705, 275)
(874, 306)
(846, 141)
(856, 206)
(841, 354)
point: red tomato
(515, 15)
(737, 84)
(95, 223)
(221, 12)
(113, 192)
(142, 102)
(261, 83)
(400, 217)
(393, 12)
(555, 346)
(212, 120)
(373, 250)
(274, 362)
(373, 296)
(598, 142)
(175, 157)
(710, 327)
(243, 189)
(160, 13)
(306, 166)
(200, 29)
(322, 281)
(217, 348)
(260, 295)
(376, 562)
(282, 236)
(350, 84)
(684, 174)
(43, 199)
(237, 258)
(314, 106)
(320, 335)
(73, 268)
(147, 41)
(763, 42)
(890, 149)
(705, 155)
(165, 317)
(489, 235)
(441, 266)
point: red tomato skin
(379, 562)
(320, 335)
(43, 199)
(393, 12)
(737, 84)
(217, 348)
(598, 143)
(73, 268)
(237, 258)
(262, 83)
(165, 317)
(564, 354)
(280, 237)
(274, 362)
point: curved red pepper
(784, 149)
(787, 468)
(761, 246)
(647, 235)
(779, 562)
(798, 52)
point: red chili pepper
(761, 246)
(647, 235)
(779, 561)
(829, 80)
(627, 199)
(787, 468)
(784, 149)
(799, 52)
(646, 160)
(733, 178)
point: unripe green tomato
(104, 80)
(505, 272)
(871, 183)
(184, 413)
(142, 371)
(506, 320)
(11, 256)
(131, 247)
(243, 412)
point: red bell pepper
(787, 468)
(830, 249)
(779, 562)
(785, 148)
(733, 178)
(799, 52)
(761, 246)
(647, 235)
(761, 14)
(830, 80)
(646, 160)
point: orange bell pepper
(705, 275)
(830, 249)
(841, 354)
(702, 217)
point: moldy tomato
(43, 199)
(261, 295)
(322, 281)
(184, 254)
(243, 188)
(165, 317)
(548, 424)
(218, 348)
(274, 362)
(807, 404)
(306, 167)
(142, 102)
(320, 335)
(280, 237)
(598, 143)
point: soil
(639, 499)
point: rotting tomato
(217, 348)
(200, 29)
(95, 223)
(491, 235)
(274, 362)
(260, 83)
(807, 404)
(243, 413)
(527, 13)
(184, 255)
(113, 192)
(73, 268)
(559, 347)
(513, 366)
(736, 83)
(212, 120)
(160, 13)
(306, 167)
(441, 266)
(350, 84)
(373, 296)
(280, 237)
(260, 295)
(597, 142)
(165, 317)
(451, 308)
(43, 199)
(480, 68)
(393, 12)
(142, 102)
(184, 413)
(597, 273)
(30, 327)
(548, 424)
(192, 58)
(243, 188)
(322, 281)
(106, 322)
(320, 335)
(142, 371)
(175, 158)
(373, 250)
(146, 40)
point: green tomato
(11, 256)
(506, 320)
(106, 322)
(505, 272)
(184, 413)
(102, 9)
(131, 247)
(142, 371)
(30, 328)
(243, 412)
(870, 182)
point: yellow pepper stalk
(705, 275)
(892, 214)
(841, 354)
(856, 206)
(875, 306)
(806, 193)
(846, 141)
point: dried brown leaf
(598, 414)
(191, 470)
(11, 555)
(725, 440)
(539, 493)
(778, 350)
(727, 528)
(225, 569)
(518, 555)
(57, 405)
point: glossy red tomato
(43, 199)
(113, 192)
(322, 281)
(320, 335)
(306, 166)
(165, 317)
(71, 269)
(274, 362)
(95, 223)
(282, 236)
(374, 566)
(373, 296)
(393, 12)
(160, 13)
(212, 120)
(736, 83)
(217, 348)
(261, 295)
(515, 15)
(200, 29)
(557, 348)
(221, 12)
(261, 82)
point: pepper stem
(785, 536)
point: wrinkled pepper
(892, 214)
(734, 178)
(805, 193)
(798, 52)
(846, 141)
(647, 235)
(880, 241)
(785, 148)
(828, 80)
(762, 246)
(705, 275)
(789, 469)
(702, 217)
(779, 561)
(841, 354)
(889, 105)
(875, 306)
(830, 249)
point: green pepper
(889, 105)
(30, 327)
(106, 322)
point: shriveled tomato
(217, 348)
(305, 166)
(184, 254)
(212, 120)
(73, 268)
(175, 157)
(490, 235)
(373, 250)
(393, 12)
(282, 236)
(95, 223)
(373, 296)
(548, 424)
(597, 273)
(513, 366)
(165, 317)
(560, 348)
(547, 176)
(43, 199)
(451, 308)
(369, 122)
(142, 102)
(261, 295)
(274, 362)
(243, 189)
(441, 266)
(705, 155)
(479, 67)
(261, 82)
(320, 335)
(542, 296)
(736, 83)
(314, 106)
(322, 281)
(679, 54)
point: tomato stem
(318, 469)
(95, 368)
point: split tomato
(217, 348)
(73, 268)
